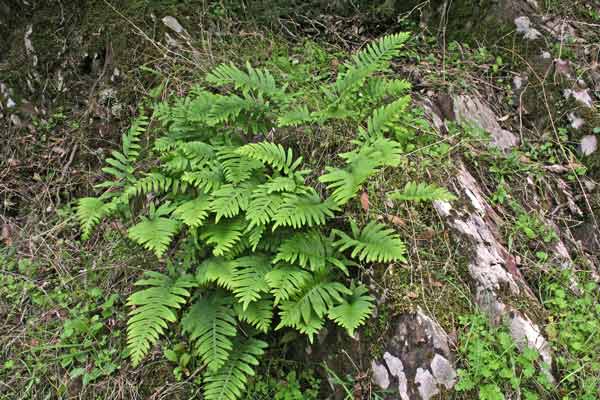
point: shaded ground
(88, 68)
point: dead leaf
(436, 284)
(364, 201)
(412, 295)
(427, 234)
(59, 150)
(396, 220)
(6, 235)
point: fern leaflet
(419, 192)
(354, 310)
(154, 307)
(229, 382)
(375, 243)
(211, 324)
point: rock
(29, 45)
(581, 96)
(492, 268)
(576, 121)
(523, 24)
(417, 363)
(588, 145)
(173, 24)
(469, 109)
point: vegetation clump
(258, 242)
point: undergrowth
(253, 239)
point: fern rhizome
(260, 253)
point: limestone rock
(417, 363)
(469, 109)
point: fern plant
(258, 236)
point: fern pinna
(263, 255)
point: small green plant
(254, 234)
(574, 331)
(282, 385)
(493, 367)
(531, 226)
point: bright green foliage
(375, 243)
(494, 368)
(121, 165)
(90, 210)
(154, 307)
(228, 382)
(353, 311)
(574, 333)
(155, 233)
(251, 230)
(249, 279)
(273, 155)
(305, 311)
(193, 212)
(384, 118)
(310, 250)
(211, 324)
(375, 57)
(361, 164)
(418, 192)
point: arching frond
(229, 382)
(375, 243)
(419, 192)
(153, 308)
(210, 324)
(272, 154)
(353, 310)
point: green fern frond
(306, 310)
(286, 281)
(198, 152)
(258, 314)
(354, 310)
(295, 117)
(90, 211)
(210, 324)
(208, 179)
(119, 166)
(229, 382)
(263, 206)
(309, 249)
(237, 168)
(229, 108)
(193, 212)
(154, 307)
(257, 80)
(283, 184)
(229, 200)
(375, 243)
(152, 183)
(217, 269)
(272, 154)
(254, 235)
(380, 152)
(155, 234)
(419, 192)
(249, 278)
(223, 235)
(298, 210)
(375, 57)
(384, 118)
(379, 88)
(131, 140)
(344, 184)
